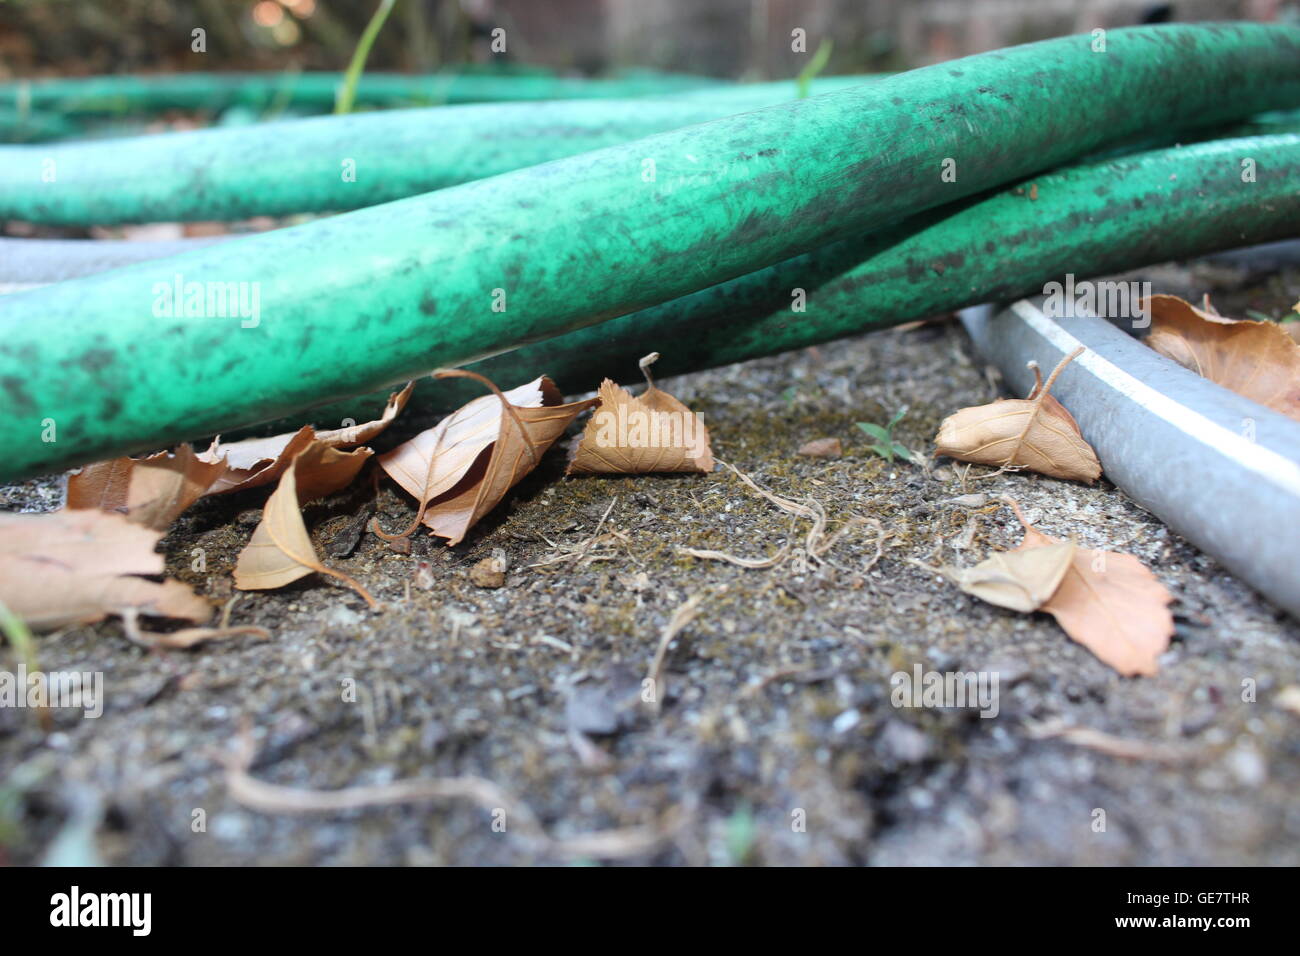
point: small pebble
(846, 721)
(822, 448)
(490, 572)
(1246, 765)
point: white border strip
(1268, 464)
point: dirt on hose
(519, 710)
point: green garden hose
(333, 163)
(365, 299)
(123, 94)
(1087, 220)
(28, 127)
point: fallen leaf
(1257, 360)
(635, 435)
(1035, 433)
(461, 468)
(280, 551)
(822, 448)
(75, 567)
(150, 491)
(1022, 580)
(1110, 603)
(259, 461)
(322, 469)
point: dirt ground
(776, 741)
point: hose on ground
(1086, 220)
(334, 163)
(1174, 441)
(362, 300)
(120, 94)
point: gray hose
(1219, 469)
(26, 263)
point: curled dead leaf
(1108, 602)
(1257, 360)
(1111, 604)
(1021, 580)
(260, 461)
(1035, 433)
(461, 468)
(150, 491)
(75, 567)
(633, 435)
(280, 551)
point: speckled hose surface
(335, 163)
(116, 364)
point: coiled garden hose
(333, 163)
(368, 298)
(1086, 220)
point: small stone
(345, 542)
(635, 582)
(1288, 698)
(822, 448)
(230, 826)
(846, 721)
(423, 576)
(341, 617)
(1246, 765)
(490, 572)
(605, 706)
(904, 742)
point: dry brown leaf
(1257, 360)
(1035, 433)
(634, 435)
(461, 468)
(1022, 580)
(434, 461)
(73, 567)
(321, 469)
(259, 461)
(280, 551)
(1110, 603)
(150, 491)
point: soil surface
(772, 738)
